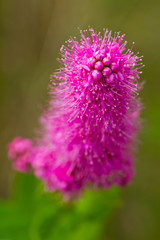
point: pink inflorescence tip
(96, 75)
(89, 131)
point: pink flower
(21, 151)
(90, 128)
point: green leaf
(32, 214)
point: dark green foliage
(32, 214)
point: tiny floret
(89, 130)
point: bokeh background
(31, 33)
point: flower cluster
(89, 130)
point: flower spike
(89, 130)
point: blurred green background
(32, 32)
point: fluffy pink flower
(89, 130)
(21, 151)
